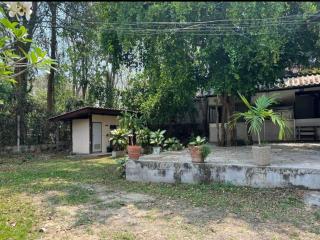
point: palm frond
(245, 101)
(264, 102)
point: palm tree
(258, 113)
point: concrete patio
(293, 164)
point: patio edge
(239, 175)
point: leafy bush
(157, 137)
(132, 123)
(119, 139)
(173, 144)
(143, 136)
(121, 169)
(205, 151)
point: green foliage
(205, 150)
(174, 64)
(258, 113)
(198, 141)
(14, 34)
(172, 144)
(121, 168)
(132, 123)
(119, 138)
(157, 137)
(143, 136)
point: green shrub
(173, 144)
(143, 136)
(157, 137)
(205, 151)
(119, 139)
(121, 169)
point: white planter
(261, 155)
(116, 154)
(156, 150)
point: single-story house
(90, 128)
(299, 102)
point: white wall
(106, 122)
(80, 136)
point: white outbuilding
(90, 128)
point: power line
(224, 27)
(228, 21)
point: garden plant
(255, 118)
(199, 150)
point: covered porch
(300, 105)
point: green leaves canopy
(250, 48)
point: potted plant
(156, 139)
(199, 150)
(119, 140)
(255, 118)
(143, 138)
(132, 123)
(172, 144)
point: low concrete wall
(260, 177)
(35, 148)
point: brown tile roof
(289, 82)
(300, 81)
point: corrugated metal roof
(87, 111)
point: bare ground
(122, 215)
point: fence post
(18, 133)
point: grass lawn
(67, 198)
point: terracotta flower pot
(134, 152)
(196, 154)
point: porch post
(71, 135)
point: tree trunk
(84, 77)
(204, 110)
(22, 79)
(227, 104)
(21, 96)
(50, 90)
(217, 122)
(233, 131)
(223, 120)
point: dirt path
(121, 215)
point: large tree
(222, 46)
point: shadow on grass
(68, 178)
